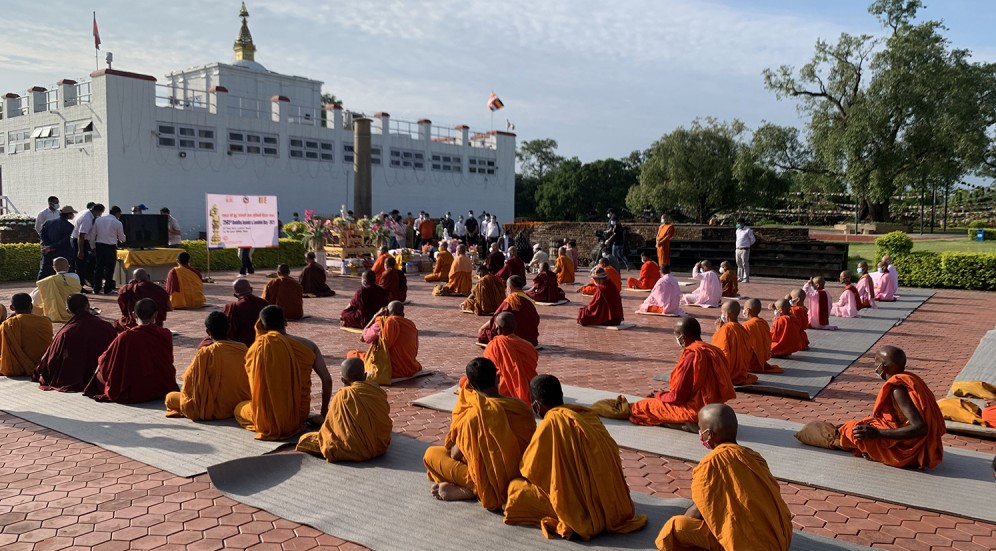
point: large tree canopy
(583, 191)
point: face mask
(704, 439)
(722, 319)
(680, 340)
(612, 222)
(880, 270)
(861, 271)
(739, 226)
(536, 410)
(722, 269)
(55, 206)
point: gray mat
(953, 487)
(980, 367)
(141, 432)
(808, 372)
(390, 508)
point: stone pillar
(11, 105)
(219, 100)
(37, 99)
(362, 181)
(281, 108)
(67, 92)
(464, 138)
(337, 117)
(383, 123)
(425, 130)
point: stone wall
(19, 234)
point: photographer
(615, 239)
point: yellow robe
(54, 290)
(24, 338)
(357, 427)
(191, 294)
(214, 383)
(441, 270)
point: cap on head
(145, 310)
(546, 390)
(67, 210)
(21, 303)
(482, 374)
(272, 318)
(216, 324)
(352, 370)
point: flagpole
(96, 43)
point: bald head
(396, 308)
(516, 283)
(483, 375)
(140, 275)
(688, 329)
(845, 277)
(505, 322)
(241, 286)
(272, 318)
(753, 307)
(890, 360)
(797, 295)
(145, 311)
(60, 264)
(513, 251)
(783, 306)
(283, 270)
(391, 263)
(77, 303)
(352, 371)
(732, 310)
(819, 282)
(721, 423)
(183, 258)
(706, 265)
(369, 278)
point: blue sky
(601, 78)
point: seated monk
(393, 281)
(797, 306)
(572, 479)
(378, 265)
(71, 359)
(818, 304)
(441, 269)
(611, 274)
(216, 380)
(527, 319)
(495, 260)
(539, 257)
(728, 279)
(243, 312)
(665, 297)
(515, 358)
(514, 266)
(866, 287)
(787, 337)
(141, 286)
(733, 340)
(284, 291)
(460, 279)
(50, 295)
(564, 267)
(138, 365)
(184, 284)
(906, 425)
(709, 292)
(369, 299)
(760, 338)
(358, 425)
(487, 294)
(650, 272)
(737, 502)
(888, 281)
(313, 278)
(545, 288)
(24, 337)
(393, 341)
(849, 303)
(605, 307)
(487, 436)
(698, 378)
(279, 368)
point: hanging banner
(241, 221)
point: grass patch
(866, 251)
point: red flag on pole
(96, 33)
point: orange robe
(734, 341)
(923, 453)
(357, 427)
(611, 274)
(801, 314)
(393, 354)
(527, 319)
(699, 378)
(786, 336)
(379, 265)
(989, 416)
(23, 340)
(214, 383)
(740, 502)
(137, 367)
(279, 369)
(649, 274)
(288, 294)
(663, 242)
(760, 345)
(491, 434)
(486, 296)
(185, 288)
(395, 283)
(441, 270)
(573, 481)
(729, 281)
(460, 279)
(565, 269)
(516, 360)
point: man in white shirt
(108, 232)
(745, 240)
(82, 241)
(491, 230)
(172, 228)
(51, 213)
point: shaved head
(506, 323)
(732, 308)
(216, 324)
(352, 371)
(272, 318)
(183, 258)
(145, 310)
(283, 270)
(689, 329)
(721, 421)
(513, 251)
(482, 374)
(819, 282)
(890, 360)
(396, 308)
(516, 282)
(706, 265)
(546, 390)
(391, 262)
(21, 303)
(140, 275)
(753, 306)
(783, 306)
(797, 295)
(845, 277)
(60, 264)
(369, 278)
(77, 303)
(241, 286)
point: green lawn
(866, 251)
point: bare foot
(435, 491)
(451, 492)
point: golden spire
(244, 48)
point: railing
(248, 108)
(443, 134)
(22, 103)
(6, 207)
(169, 96)
(51, 101)
(303, 116)
(404, 128)
(81, 97)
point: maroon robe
(313, 279)
(395, 283)
(137, 367)
(242, 316)
(526, 320)
(605, 307)
(513, 266)
(131, 293)
(546, 289)
(71, 359)
(495, 262)
(366, 302)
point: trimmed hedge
(19, 261)
(975, 271)
(893, 243)
(290, 252)
(919, 269)
(990, 233)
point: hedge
(990, 233)
(19, 261)
(975, 271)
(893, 243)
(291, 252)
(919, 269)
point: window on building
(404, 158)
(2, 140)
(251, 143)
(186, 137)
(447, 163)
(79, 132)
(314, 150)
(375, 153)
(18, 141)
(347, 154)
(477, 165)
(46, 137)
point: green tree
(583, 191)
(525, 195)
(538, 157)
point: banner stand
(208, 279)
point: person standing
(83, 242)
(491, 230)
(107, 233)
(745, 240)
(448, 224)
(472, 230)
(459, 230)
(665, 232)
(50, 213)
(56, 241)
(245, 257)
(172, 228)
(615, 240)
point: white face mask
(722, 269)
(680, 340)
(54, 206)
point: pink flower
(308, 214)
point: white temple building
(124, 138)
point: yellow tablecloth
(148, 257)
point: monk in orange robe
(611, 274)
(488, 434)
(515, 358)
(665, 232)
(737, 502)
(728, 278)
(393, 281)
(141, 286)
(71, 359)
(487, 294)
(138, 365)
(527, 319)
(441, 269)
(545, 287)
(379, 264)
(24, 337)
(906, 425)
(243, 312)
(564, 267)
(797, 305)
(733, 340)
(216, 380)
(358, 425)
(284, 291)
(313, 278)
(760, 338)
(460, 278)
(650, 272)
(393, 341)
(279, 368)
(185, 284)
(573, 481)
(787, 337)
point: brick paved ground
(59, 493)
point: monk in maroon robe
(138, 365)
(496, 259)
(393, 281)
(514, 266)
(545, 286)
(526, 317)
(141, 286)
(243, 313)
(366, 302)
(605, 307)
(71, 359)
(313, 278)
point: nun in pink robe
(710, 291)
(664, 298)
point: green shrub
(893, 243)
(969, 270)
(290, 252)
(919, 269)
(19, 261)
(990, 233)
(975, 224)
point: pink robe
(866, 292)
(886, 285)
(818, 302)
(848, 303)
(710, 291)
(665, 295)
